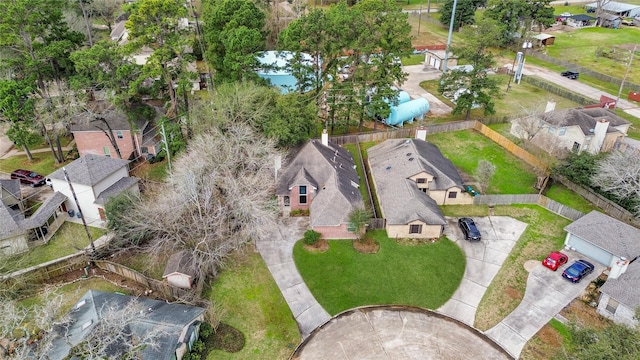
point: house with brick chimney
(321, 178)
(594, 130)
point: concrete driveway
(546, 294)
(484, 259)
(417, 74)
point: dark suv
(469, 229)
(573, 75)
(28, 177)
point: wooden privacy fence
(558, 90)
(376, 223)
(160, 287)
(536, 199)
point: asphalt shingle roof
(610, 234)
(9, 226)
(626, 288)
(117, 121)
(12, 187)
(330, 169)
(179, 263)
(393, 162)
(90, 169)
(114, 190)
(44, 212)
(584, 118)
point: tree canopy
(515, 17)
(465, 12)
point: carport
(603, 239)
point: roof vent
(81, 303)
(407, 141)
(410, 159)
(87, 324)
(388, 167)
(591, 131)
(408, 154)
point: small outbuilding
(543, 39)
(435, 58)
(178, 272)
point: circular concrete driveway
(396, 332)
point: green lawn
(415, 59)
(254, 305)
(543, 234)
(43, 163)
(69, 239)
(423, 275)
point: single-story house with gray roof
(411, 178)
(617, 8)
(19, 232)
(173, 327)
(322, 179)
(95, 179)
(619, 298)
(584, 129)
(604, 239)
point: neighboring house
(587, 129)
(17, 232)
(411, 178)
(176, 326)
(178, 271)
(604, 239)
(617, 8)
(322, 179)
(95, 180)
(91, 134)
(435, 58)
(611, 21)
(581, 20)
(619, 298)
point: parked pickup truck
(570, 74)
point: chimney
(551, 105)
(421, 133)
(325, 137)
(599, 133)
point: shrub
(311, 237)
(295, 213)
(198, 346)
(205, 330)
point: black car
(469, 229)
(578, 270)
(570, 74)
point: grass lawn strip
(42, 163)
(254, 305)
(424, 275)
(544, 233)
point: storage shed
(543, 39)
(178, 272)
(435, 58)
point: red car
(28, 177)
(555, 260)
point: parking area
(35, 194)
(484, 259)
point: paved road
(484, 260)
(277, 253)
(546, 294)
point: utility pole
(419, 19)
(446, 50)
(166, 146)
(633, 53)
(84, 222)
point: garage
(603, 238)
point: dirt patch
(321, 246)
(513, 293)
(366, 246)
(530, 265)
(559, 28)
(226, 338)
(581, 313)
(550, 336)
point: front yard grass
(43, 163)
(424, 275)
(543, 234)
(69, 239)
(254, 305)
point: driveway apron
(277, 252)
(546, 294)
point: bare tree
(600, 4)
(484, 174)
(106, 10)
(218, 197)
(619, 174)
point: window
(106, 150)
(119, 134)
(612, 306)
(415, 229)
(562, 131)
(287, 201)
(351, 227)
(303, 194)
(576, 146)
(453, 195)
(421, 181)
(552, 130)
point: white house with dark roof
(585, 129)
(19, 232)
(619, 298)
(175, 327)
(604, 239)
(322, 178)
(95, 179)
(411, 178)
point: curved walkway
(277, 253)
(418, 74)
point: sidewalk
(9, 151)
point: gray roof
(626, 288)
(8, 219)
(117, 121)
(90, 169)
(12, 187)
(612, 235)
(329, 169)
(582, 17)
(114, 190)
(44, 212)
(179, 263)
(169, 317)
(584, 118)
(393, 162)
(614, 6)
